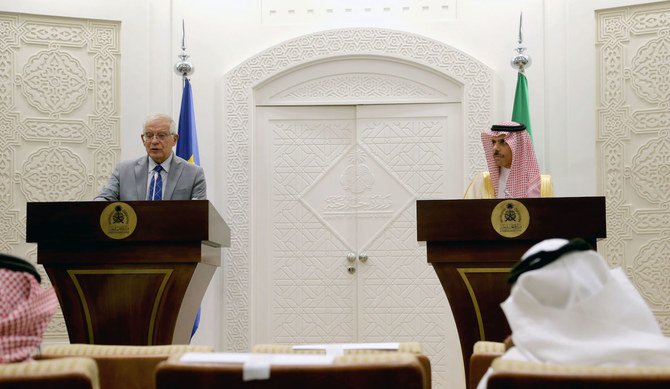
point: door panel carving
(344, 180)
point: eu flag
(187, 145)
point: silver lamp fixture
(521, 60)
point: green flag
(521, 112)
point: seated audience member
(512, 166)
(567, 306)
(25, 309)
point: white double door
(334, 251)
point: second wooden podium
(130, 273)
(473, 244)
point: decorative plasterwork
(59, 119)
(240, 83)
(366, 87)
(633, 143)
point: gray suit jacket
(128, 181)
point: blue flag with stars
(187, 145)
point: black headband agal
(508, 127)
(543, 258)
(13, 263)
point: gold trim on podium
(463, 273)
(89, 325)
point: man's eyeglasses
(161, 136)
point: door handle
(351, 258)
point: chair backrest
(64, 373)
(483, 354)
(526, 375)
(126, 367)
(352, 349)
(387, 370)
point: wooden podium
(472, 259)
(130, 273)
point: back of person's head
(578, 274)
(567, 306)
(25, 309)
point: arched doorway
(359, 82)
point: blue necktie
(156, 184)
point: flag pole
(187, 144)
(183, 67)
(521, 61)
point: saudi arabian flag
(521, 112)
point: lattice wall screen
(59, 119)
(633, 144)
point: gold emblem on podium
(510, 218)
(118, 220)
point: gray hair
(160, 116)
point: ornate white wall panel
(358, 80)
(59, 118)
(633, 48)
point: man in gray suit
(160, 175)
